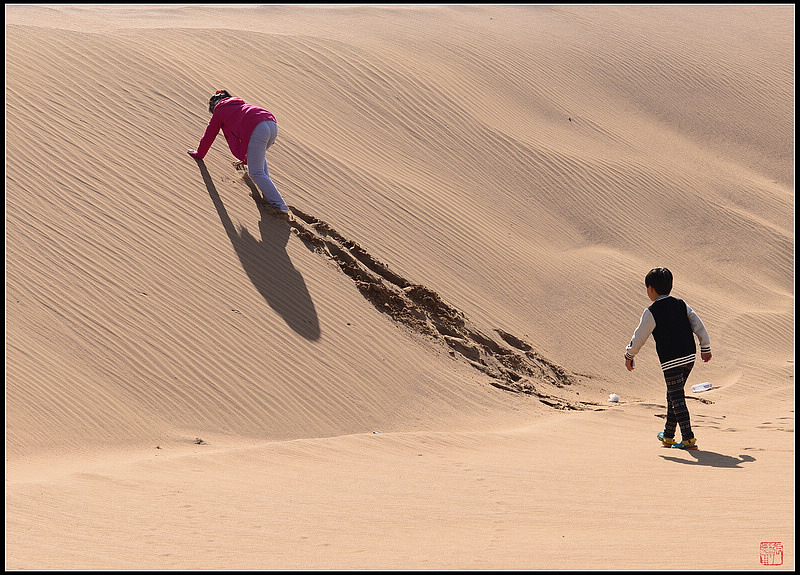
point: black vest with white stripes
(673, 333)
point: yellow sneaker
(686, 444)
(665, 441)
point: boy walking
(673, 325)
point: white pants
(261, 139)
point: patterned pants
(677, 412)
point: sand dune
(412, 373)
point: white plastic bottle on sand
(701, 387)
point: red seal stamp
(771, 553)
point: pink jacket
(237, 121)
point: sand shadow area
(712, 459)
(268, 265)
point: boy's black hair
(660, 279)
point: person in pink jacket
(249, 131)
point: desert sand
(413, 372)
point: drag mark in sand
(511, 363)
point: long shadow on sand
(711, 459)
(269, 267)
